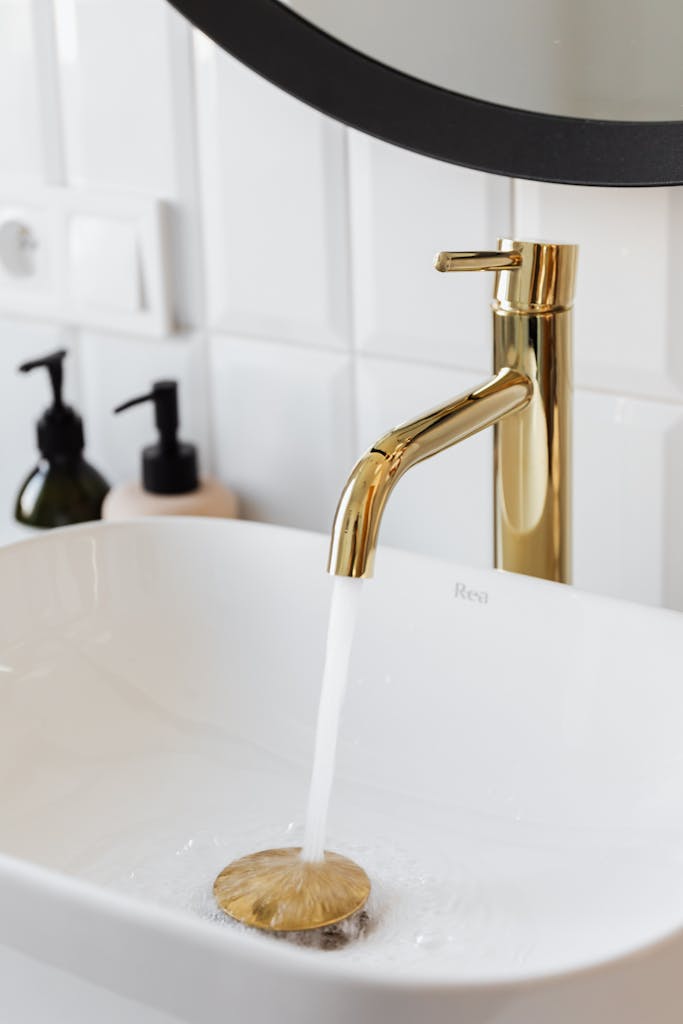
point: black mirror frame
(374, 98)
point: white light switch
(104, 264)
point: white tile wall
(21, 146)
(404, 208)
(276, 240)
(628, 327)
(283, 428)
(443, 506)
(117, 94)
(312, 318)
(628, 460)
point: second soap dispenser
(170, 485)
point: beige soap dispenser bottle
(171, 485)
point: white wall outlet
(18, 256)
(28, 246)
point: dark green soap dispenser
(63, 488)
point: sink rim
(202, 523)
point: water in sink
(423, 912)
(471, 898)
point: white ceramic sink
(510, 775)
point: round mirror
(584, 93)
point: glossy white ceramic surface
(509, 774)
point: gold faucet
(527, 401)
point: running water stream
(342, 623)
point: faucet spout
(359, 513)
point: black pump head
(53, 365)
(169, 467)
(60, 428)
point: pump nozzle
(53, 365)
(169, 467)
(164, 394)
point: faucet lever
(447, 261)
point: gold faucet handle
(448, 261)
(544, 278)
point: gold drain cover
(278, 891)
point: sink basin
(510, 774)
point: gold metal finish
(278, 891)
(359, 513)
(532, 362)
(544, 282)
(446, 261)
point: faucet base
(532, 450)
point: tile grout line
(53, 139)
(350, 295)
(360, 357)
(513, 207)
(182, 55)
(52, 125)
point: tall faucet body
(527, 401)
